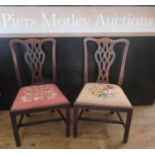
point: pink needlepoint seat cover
(38, 96)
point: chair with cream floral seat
(103, 95)
(30, 58)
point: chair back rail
(34, 58)
(104, 57)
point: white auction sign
(67, 21)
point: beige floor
(91, 134)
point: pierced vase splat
(35, 58)
(104, 57)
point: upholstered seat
(107, 58)
(99, 94)
(35, 69)
(38, 96)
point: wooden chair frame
(84, 107)
(14, 113)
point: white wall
(44, 21)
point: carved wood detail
(105, 57)
(34, 57)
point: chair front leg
(75, 122)
(15, 128)
(67, 121)
(127, 126)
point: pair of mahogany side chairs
(40, 95)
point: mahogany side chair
(103, 95)
(33, 57)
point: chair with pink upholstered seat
(31, 57)
(103, 95)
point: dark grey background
(139, 82)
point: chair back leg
(75, 122)
(67, 121)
